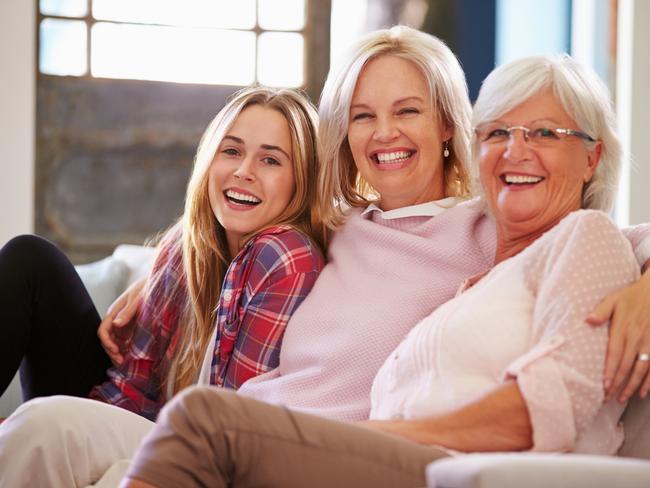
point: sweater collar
(428, 209)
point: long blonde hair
(340, 184)
(198, 241)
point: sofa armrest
(514, 470)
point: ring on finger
(643, 356)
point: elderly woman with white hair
(508, 364)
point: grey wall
(113, 158)
(17, 106)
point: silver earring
(445, 153)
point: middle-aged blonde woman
(395, 123)
(506, 365)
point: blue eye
(543, 133)
(499, 133)
(408, 111)
(361, 116)
(271, 161)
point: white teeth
(243, 197)
(522, 179)
(393, 156)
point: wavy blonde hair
(198, 240)
(340, 184)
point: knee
(35, 434)
(50, 444)
(40, 421)
(200, 402)
(26, 244)
(24, 249)
(198, 397)
(194, 399)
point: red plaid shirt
(264, 285)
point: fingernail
(117, 320)
(607, 383)
(644, 393)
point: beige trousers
(66, 442)
(209, 438)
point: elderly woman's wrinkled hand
(627, 367)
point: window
(531, 27)
(189, 41)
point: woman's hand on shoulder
(116, 328)
(629, 335)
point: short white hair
(581, 93)
(340, 181)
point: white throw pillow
(139, 259)
(105, 280)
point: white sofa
(631, 469)
(105, 280)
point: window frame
(90, 21)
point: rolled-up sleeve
(560, 377)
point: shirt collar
(428, 209)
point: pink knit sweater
(383, 276)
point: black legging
(47, 322)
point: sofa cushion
(139, 260)
(104, 280)
(636, 421)
(532, 470)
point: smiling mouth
(520, 179)
(241, 198)
(392, 157)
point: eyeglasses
(539, 135)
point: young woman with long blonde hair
(244, 254)
(226, 279)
